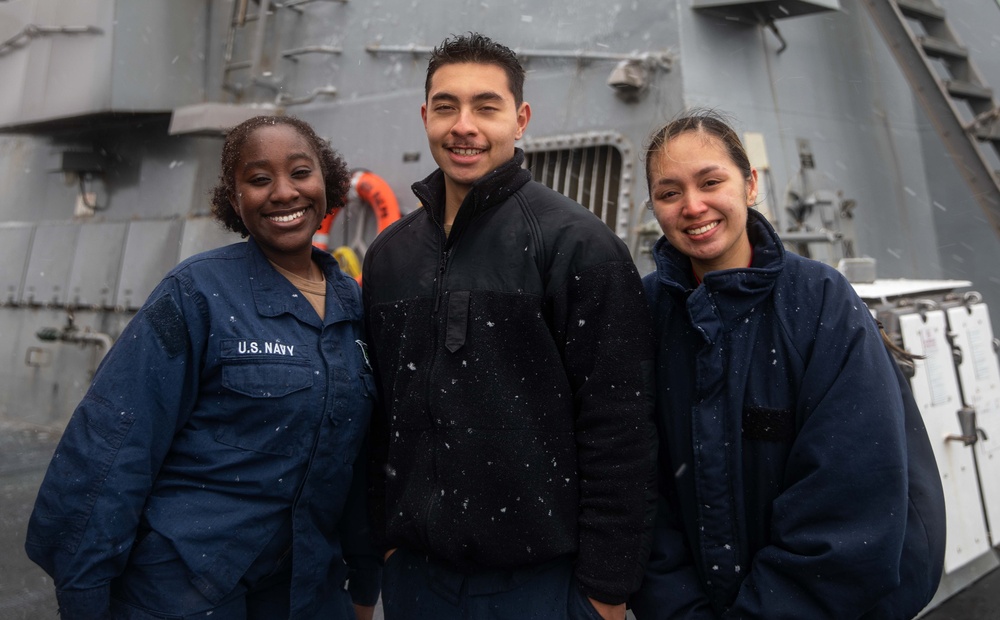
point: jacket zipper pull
(440, 282)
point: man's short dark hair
(474, 47)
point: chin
(462, 177)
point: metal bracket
(970, 432)
(310, 49)
(287, 100)
(295, 4)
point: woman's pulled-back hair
(708, 121)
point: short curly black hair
(336, 175)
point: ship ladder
(922, 41)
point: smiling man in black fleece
(514, 453)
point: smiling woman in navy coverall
(796, 477)
(208, 471)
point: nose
(464, 124)
(285, 189)
(693, 205)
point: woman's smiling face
(700, 199)
(280, 190)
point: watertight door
(935, 387)
(979, 374)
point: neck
(740, 257)
(300, 264)
(454, 196)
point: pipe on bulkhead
(71, 333)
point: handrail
(660, 59)
(34, 31)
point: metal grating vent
(592, 169)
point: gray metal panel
(47, 276)
(160, 45)
(754, 10)
(59, 75)
(14, 17)
(213, 118)
(204, 233)
(943, 108)
(93, 56)
(96, 264)
(150, 251)
(15, 240)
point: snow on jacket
(514, 359)
(793, 484)
(226, 408)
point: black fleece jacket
(513, 359)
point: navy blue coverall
(220, 434)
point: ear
(235, 205)
(752, 188)
(523, 116)
(423, 114)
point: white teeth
(703, 229)
(466, 151)
(287, 218)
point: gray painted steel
(128, 55)
(962, 109)
(834, 90)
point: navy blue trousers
(155, 586)
(415, 587)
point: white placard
(979, 374)
(935, 388)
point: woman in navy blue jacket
(209, 470)
(796, 477)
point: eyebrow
(705, 170)
(264, 162)
(488, 95)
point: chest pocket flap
(264, 369)
(259, 379)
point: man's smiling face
(472, 122)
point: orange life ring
(373, 191)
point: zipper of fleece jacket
(436, 327)
(439, 281)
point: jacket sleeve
(608, 352)
(378, 438)
(89, 504)
(838, 527)
(924, 549)
(363, 561)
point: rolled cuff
(604, 597)
(364, 585)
